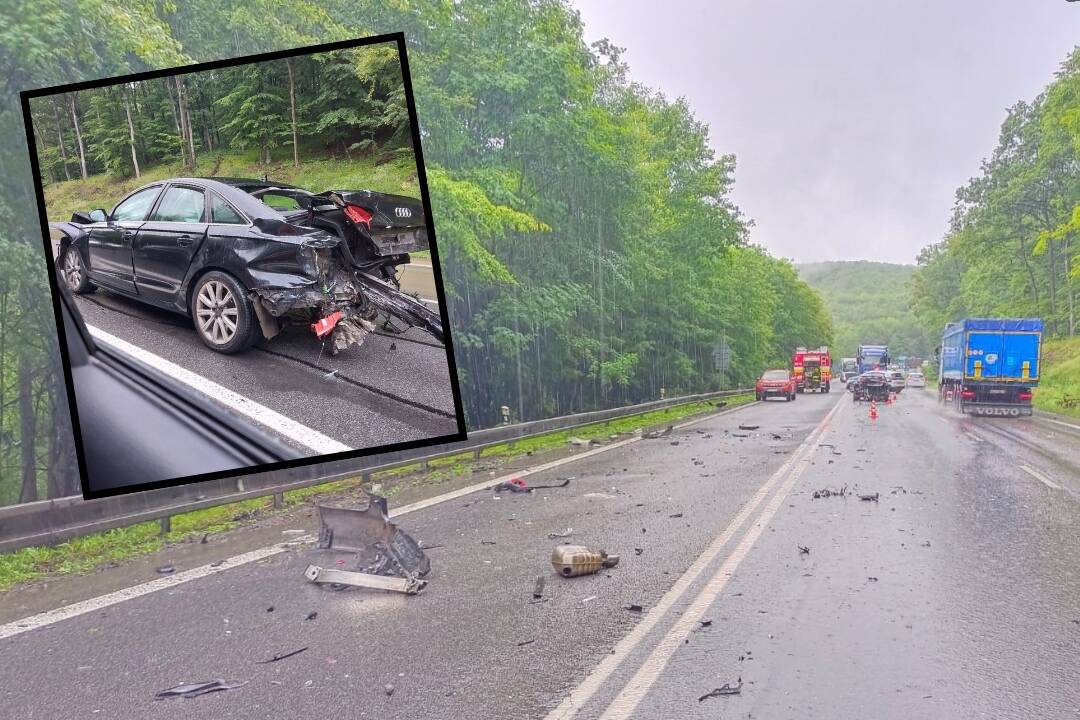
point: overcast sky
(852, 121)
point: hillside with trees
(869, 303)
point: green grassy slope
(104, 191)
(1060, 376)
(868, 302)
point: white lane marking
(278, 423)
(634, 692)
(1060, 422)
(69, 611)
(580, 695)
(973, 436)
(81, 608)
(1040, 477)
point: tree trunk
(131, 134)
(27, 430)
(78, 136)
(185, 124)
(292, 108)
(176, 121)
(60, 136)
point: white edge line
(1040, 477)
(275, 421)
(1059, 422)
(80, 608)
(67, 612)
(580, 695)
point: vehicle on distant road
(990, 366)
(776, 383)
(873, 385)
(812, 369)
(916, 379)
(897, 381)
(872, 357)
(242, 257)
(849, 368)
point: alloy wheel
(216, 312)
(72, 269)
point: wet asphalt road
(390, 389)
(955, 595)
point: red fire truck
(812, 369)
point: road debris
(574, 560)
(312, 615)
(674, 442)
(166, 569)
(675, 515)
(577, 442)
(409, 585)
(658, 433)
(638, 551)
(870, 498)
(565, 534)
(523, 643)
(388, 689)
(828, 492)
(538, 589)
(270, 609)
(634, 608)
(191, 690)
(280, 656)
(725, 689)
(749, 427)
(586, 601)
(520, 486)
(776, 436)
(739, 435)
(872, 579)
(705, 623)
(803, 550)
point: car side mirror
(98, 215)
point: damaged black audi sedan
(244, 257)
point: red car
(778, 383)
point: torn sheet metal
(365, 529)
(410, 585)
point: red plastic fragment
(325, 326)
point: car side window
(181, 204)
(223, 212)
(136, 206)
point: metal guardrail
(50, 522)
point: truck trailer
(990, 366)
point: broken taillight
(358, 215)
(325, 326)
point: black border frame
(26, 95)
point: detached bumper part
(407, 585)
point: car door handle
(128, 235)
(184, 240)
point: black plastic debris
(634, 608)
(705, 623)
(388, 689)
(674, 442)
(739, 435)
(280, 656)
(776, 436)
(870, 498)
(803, 549)
(725, 689)
(749, 427)
(658, 433)
(191, 690)
(166, 569)
(538, 589)
(523, 643)
(312, 615)
(872, 578)
(270, 609)
(676, 515)
(487, 542)
(638, 551)
(828, 492)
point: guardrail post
(166, 524)
(365, 478)
(279, 500)
(424, 465)
(476, 453)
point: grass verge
(1060, 377)
(114, 546)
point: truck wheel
(223, 315)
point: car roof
(252, 182)
(248, 204)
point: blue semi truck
(990, 366)
(872, 357)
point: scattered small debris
(869, 498)
(872, 578)
(574, 560)
(749, 427)
(520, 486)
(205, 539)
(195, 689)
(280, 656)
(577, 442)
(634, 608)
(523, 643)
(926, 544)
(705, 623)
(776, 436)
(674, 442)
(676, 515)
(166, 569)
(270, 609)
(638, 551)
(803, 549)
(658, 433)
(588, 600)
(217, 563)
(330, 375)
(725, 689)
(828, 492)
(538, 589)
(565, 534)
(388, 689)
(487, 542)
(312, 615)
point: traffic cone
(873, 409)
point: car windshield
(775, 375)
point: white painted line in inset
(271, 419)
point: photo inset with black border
(244, 268)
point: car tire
(216, 298)
(73, 271)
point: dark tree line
(345, 102)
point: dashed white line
(270, 419)
(1040, 477)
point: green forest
(869, 303)
(591, 250)
(1011, 249)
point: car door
(168, 240)
(109, 244)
